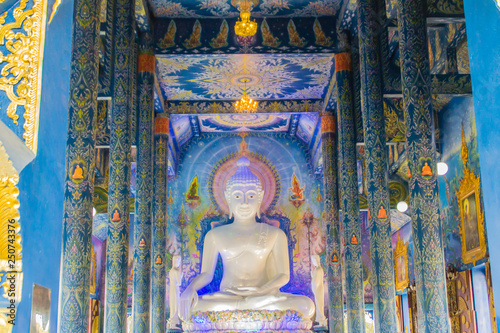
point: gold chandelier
(245, 27)
(245, 104)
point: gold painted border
(32, 113)
(471, 184)
(401, 250)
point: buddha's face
(244, 201)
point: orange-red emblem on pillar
(328, 124)
(426, 170)
(146, 63)
(409, 172)
(382, 213)
(161, 125)
(116, 216)
(369, 214)
(142, 243)
(335, 257)
(343, 62)
(354, 240)
(158, 260)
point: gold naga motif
(169, 39)
(221, 39)
(267, 37)
(321, 38)
(9, 220)
(295, 39)
(22, 64)
(195, 39)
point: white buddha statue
(254, 256)
(175, 276)
(318, 290)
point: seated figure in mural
(254, 257)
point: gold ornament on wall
(21, 74)
(10, 238)
(472, 230)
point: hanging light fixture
(245, 104)
(245, 27)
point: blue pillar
(80, 161)
(372, 104)
(483, 35)
(159, 224)
(144, 186)
(432, 303)
(349, 194)
(330, 181)
(119, 170)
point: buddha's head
(244, 192)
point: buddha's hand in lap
(247, 291)
(188, 300)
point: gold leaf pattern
(21, 72)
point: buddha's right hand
(187, 301)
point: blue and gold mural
(293, 199)
(204, 77)
(460, 189)
(226, 8)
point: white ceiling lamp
(442, 168)
(402, 206)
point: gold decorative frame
(470, 184)
(9, 220)
(401, 252)
(21, 72)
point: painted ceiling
(305, 126)
(217, 77)
(226, 8)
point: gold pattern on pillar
(9, 236)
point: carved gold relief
(9, 220)
(401, 264)
(20, 76)
(472, 230)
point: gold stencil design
(9, 206)
(22, 64)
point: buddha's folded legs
(281, 301)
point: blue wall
(41, 182)
(483, 32)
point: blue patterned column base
(432, 303)
(119, 170)
(384, 295)
(330, 180)
(159, 224)
(80, 162)
(144, 185)
(349, 195)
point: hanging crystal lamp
(245, 104)
(245, 27)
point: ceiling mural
(307, 124)
(226, 8)
(272, 76)
(256, 122)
